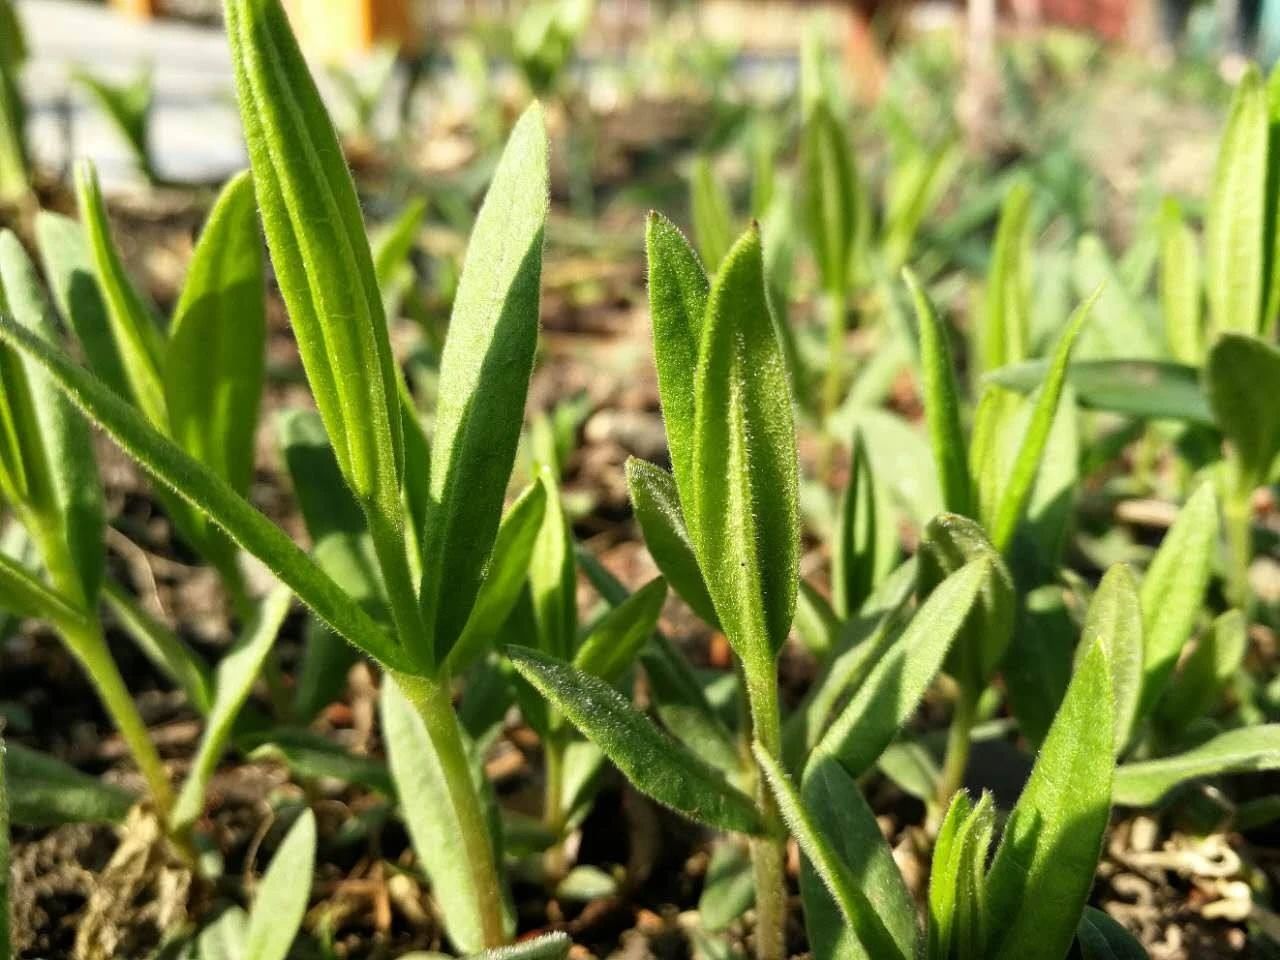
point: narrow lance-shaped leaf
(430, 816)
(508, 571)
(214, 362)
(1235, 239)
(654, 763)
(1173, 591)
(678, 291)
(68, 267)
(1002, 336)
(24, 594)
(1043, 869)
(949, 543)
(892, 691)
(657, 506)
(1240, 371)
(744, 518)
(319, 249)
(1102, 938)
(549, 946)
(830, 199)
(712, 218)
(1027, 462)
(1236, 751)
(613, 643)
(1180, 285)
(75, 489)
(484, 375)
(46, 792)
(281, 899)
(941, 402)
(853, 555)
(202, 488)
(1115, 620)
(137, 338)
(233, 681)
(1196, 690)
(553, 576)
(868, 903)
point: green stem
(90, 648)
(87, 644)
(1237, 513)
(430, 697)
(956, 761)
(387, 534)
(553, 812)
(768, 852)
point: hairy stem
(956, 761)
(387, 534)
(87, 644)
(768, 852)
(553, 812)
(1237, 511)
(430, 697)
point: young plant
(724, 529)
(426, 529)
(128, 107)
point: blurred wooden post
(139, 9)
(335, 30)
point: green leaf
(1145, 389)
(1102, 938)
(728, 890)
(712, 216)
(840, 839)
(199, 486)
(854, 552)
(1197, 687)
(1173, 590)
(22, 593)
(657, 506)
(611, 646)
(549, 946)
(484, 375)
(1245, 750)
(63, 437)
(311, 756)
(68, 266)
(830, 196)
(128, 107)
(1027, 462)
(1237, 375)
(1180, 286)
(233, 682)
(901, 676)
(311, 216)
(553, 576)
(1006, 301)
(744, 517)
(1044, 866)
(281, 898)
(1037, 666)
(138, 340)
(429, 814)
(1114, 619)
(164, 648)
(957, 877)
(948, 543)
(505, 578)
(654, 763)
(1235, 236)
(45, 792)
(214, 362)
(816, 623)
(678, 292)
(941, 402)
